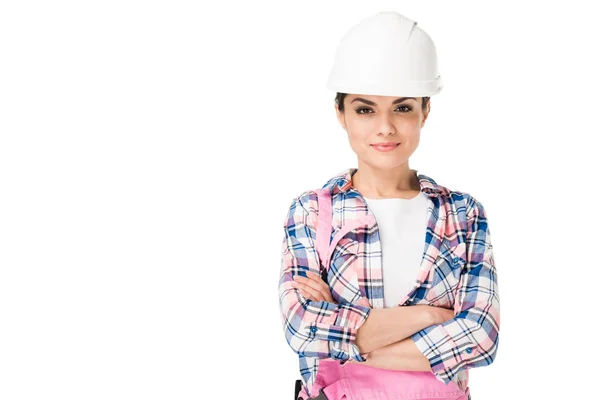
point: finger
(319, 296)
(318, 285)
(315, 285)
(312, 293)
(323, 287)
(304, 293)
(327, 295)
(313, 277)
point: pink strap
(324, 225)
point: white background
(149, 151)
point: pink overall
(356, 381)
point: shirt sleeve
(313, 328)
(471, 338)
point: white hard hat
(386, 54)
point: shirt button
(469, 350)
(313, 329)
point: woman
(399, 297)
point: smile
(381, 147)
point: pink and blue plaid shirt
(457, 272)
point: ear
(340, 116)
(426, 112)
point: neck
(386, 183)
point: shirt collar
(343, 183)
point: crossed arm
(386, 341)
(391, 337)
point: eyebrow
(371, 103)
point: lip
(387, 146)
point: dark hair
(339, 99)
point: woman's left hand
(316, 289)
(313, 287)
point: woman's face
(370, 120)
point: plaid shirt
(457, 272)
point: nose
(386, 124)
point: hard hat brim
(407, 89)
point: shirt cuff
(342, 334)
(446, 354)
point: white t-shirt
(402, 226)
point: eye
(404, 108)
(366, 110)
